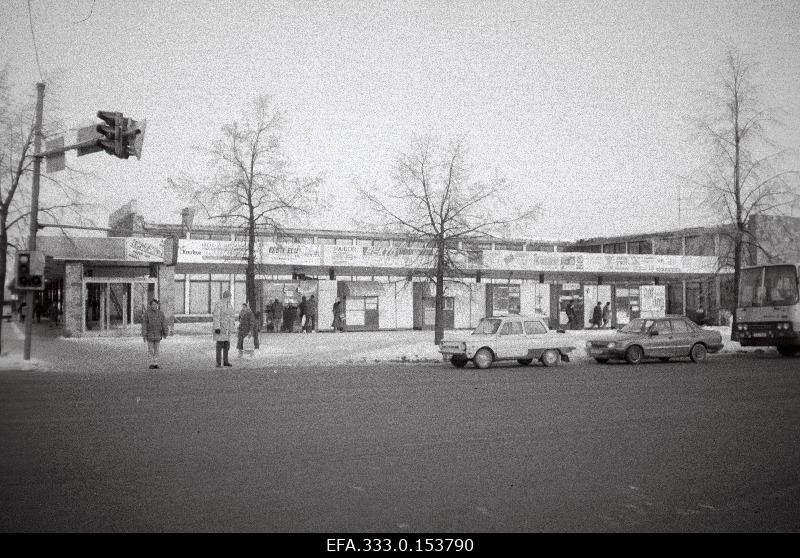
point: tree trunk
(3, 261)
(439, 321)
(250, 273)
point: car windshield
(487, 327)
(637, 325)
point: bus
(768, 314)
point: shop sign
(211, 251)
(376, 256)
(144, 249)
(290, 254)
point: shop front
(361, 304)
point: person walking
(570, 311)
(597, 315)
(311, 314)
(224, 322)
(245, 329)
(154, 329)
(607, 315)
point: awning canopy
(363, 288)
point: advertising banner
(229, 251)
(596, 263)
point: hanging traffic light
(111, 131)
(30, 271)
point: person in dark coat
(154, 329)
(570, 312)
(337, 314)
(311, 314)
(607, 315)
(597, 315)
(247, 322)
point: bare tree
(251, 189)
(434, 200)
(59, 199)
(744, 179)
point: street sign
(57, 162)
(85, 134)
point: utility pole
(37, 166)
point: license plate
(595, 351)
(760, 334)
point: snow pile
(16, 362)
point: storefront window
(199, 297)
(668, 246)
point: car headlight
(588, 344)
(611, 345)
(744, 327)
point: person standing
(597, 315)
(154, 329)
(337, 317)
(311, 314)
(607, 315)
(246, 326)
(224, 322)
(277, 315)
(301, 311)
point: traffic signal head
(112, 130)
(30, 270)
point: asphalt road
(405, 448)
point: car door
(683, 337)
(660, 341)
(511, 340)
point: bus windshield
(768, 286)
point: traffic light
(30, 271)
(133, 137)
(112, 131)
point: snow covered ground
(196, 349)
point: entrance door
(115, 307)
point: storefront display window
(504, 300)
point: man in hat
(154, 329)
(224, 326)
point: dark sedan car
(662, 338)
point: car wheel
(525, 361)
(788, 350)
(634, 354)
(551, 357)
(698, 352)
(601, 360)
(483, 358)
(458, 361)
(663, 359)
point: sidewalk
(196, 350)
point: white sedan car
(522, 338)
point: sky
(586, 107)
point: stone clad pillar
(73, 299)
(166, 293)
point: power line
(35, 48)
